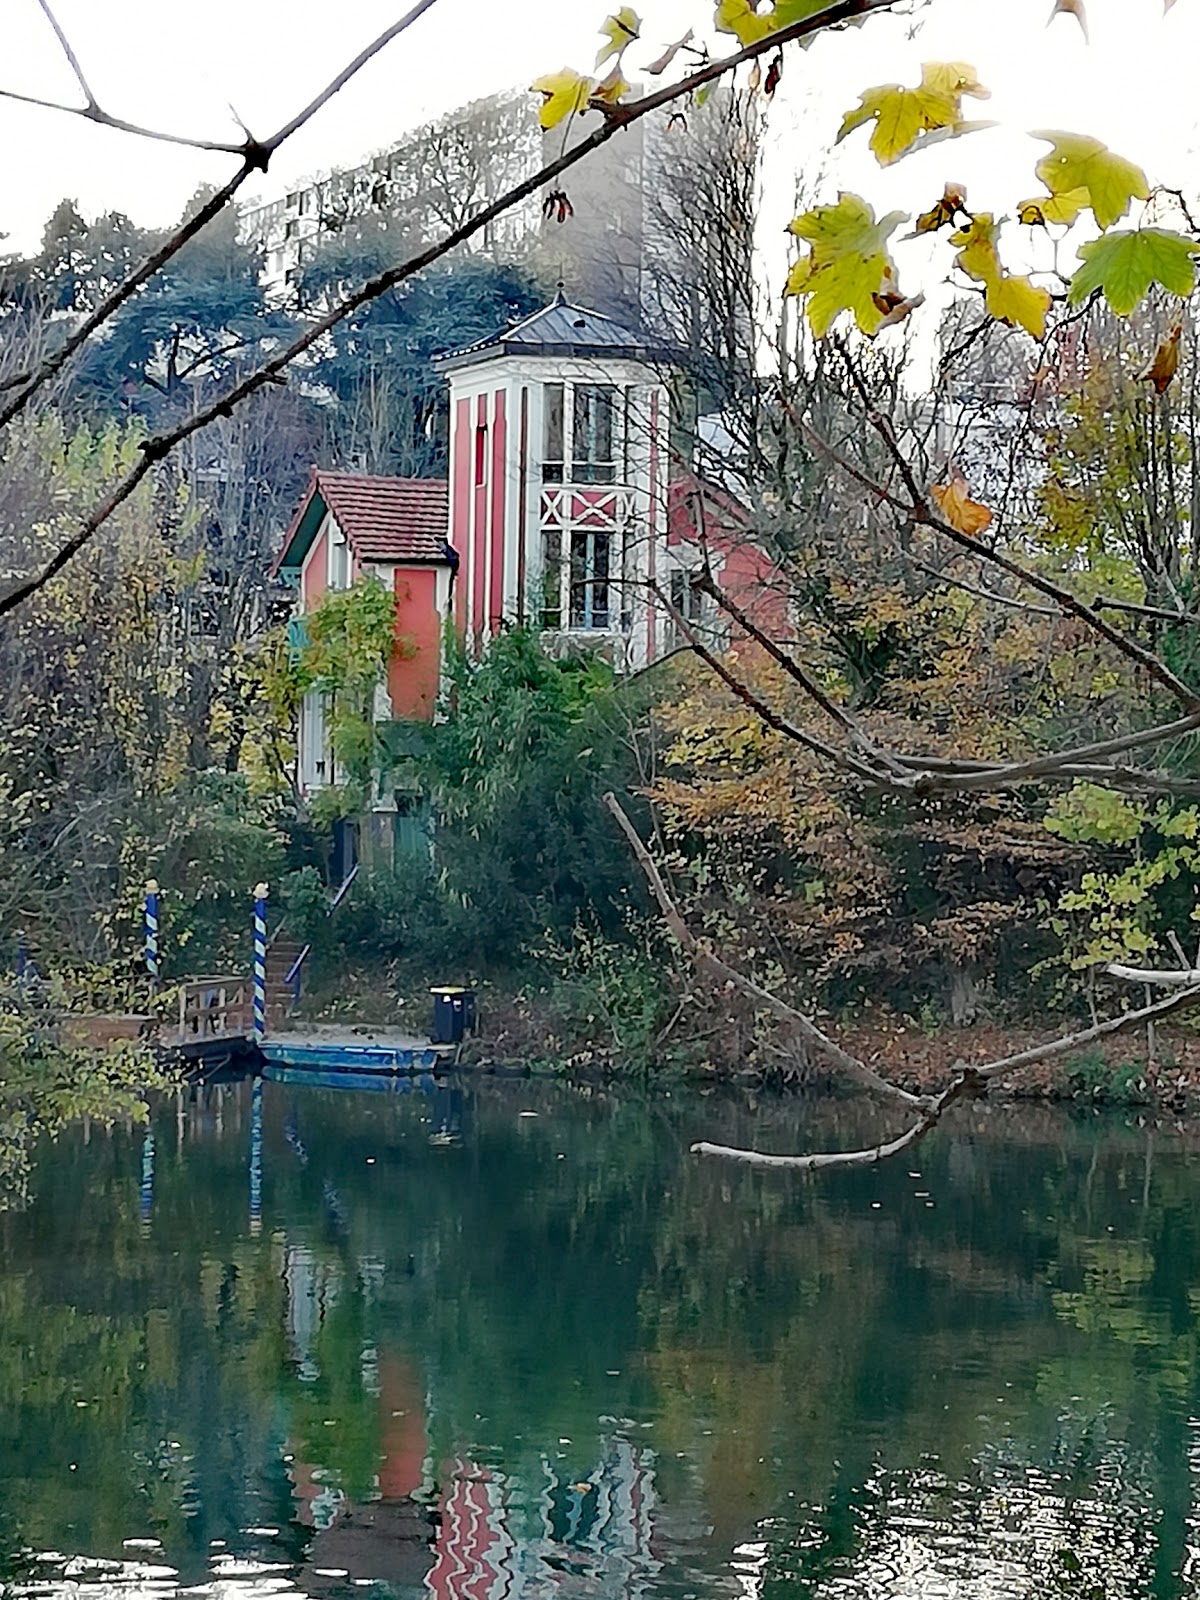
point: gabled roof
(560, 329)
(696, 504)
(383, 519)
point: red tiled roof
(384, 519)
(389, 519)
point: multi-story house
(564, 510)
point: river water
(511, 1339)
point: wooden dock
(214, 1032)
(214, 1027)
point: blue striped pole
(256, 1157)
(146, 1193)
(152, 930)
(260, 963)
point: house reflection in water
(456, 1529)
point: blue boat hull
(341, 1078)
(365, 1058)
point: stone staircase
(280, 994)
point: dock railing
(212, 1009)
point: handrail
(297, 966)
(344, 890)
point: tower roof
(560, 329)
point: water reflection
(493, 1340)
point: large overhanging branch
(725, 975)
(616, 120)
(256, 156)
(968, 1083)
(927, 775)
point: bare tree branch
(255, 158)
(985, 594)
(348, 72)
(845, 720)
(72, 58)
(616, 120)
(937, 774)
(1047, 766)
(92, 111)
(755, 702)
(1158, 1012)
(969, 1083)
(923, 513)
(1159, 613)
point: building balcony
(586, 542)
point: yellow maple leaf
(797, 280)
(1079, 163)
(1008, 297)
(960, 511)
(954, 78)
(619, 30)
(977, 247)
(848, 265)
(902, 117)
(566, 95)
(1016, 300)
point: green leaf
(739, 17)
(1125, 264)
(1078, 162)
(750, 24)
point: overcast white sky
(180, 64)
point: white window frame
(340, 565)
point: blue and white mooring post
(260, 962)
(152, 930)
(256, 1157)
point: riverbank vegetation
(957, 790)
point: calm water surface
(511, 1340)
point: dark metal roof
(561, 329)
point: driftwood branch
(616, 120)
(820, 1160)
(1166, 978)
(729, 976)
(969, 1082)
